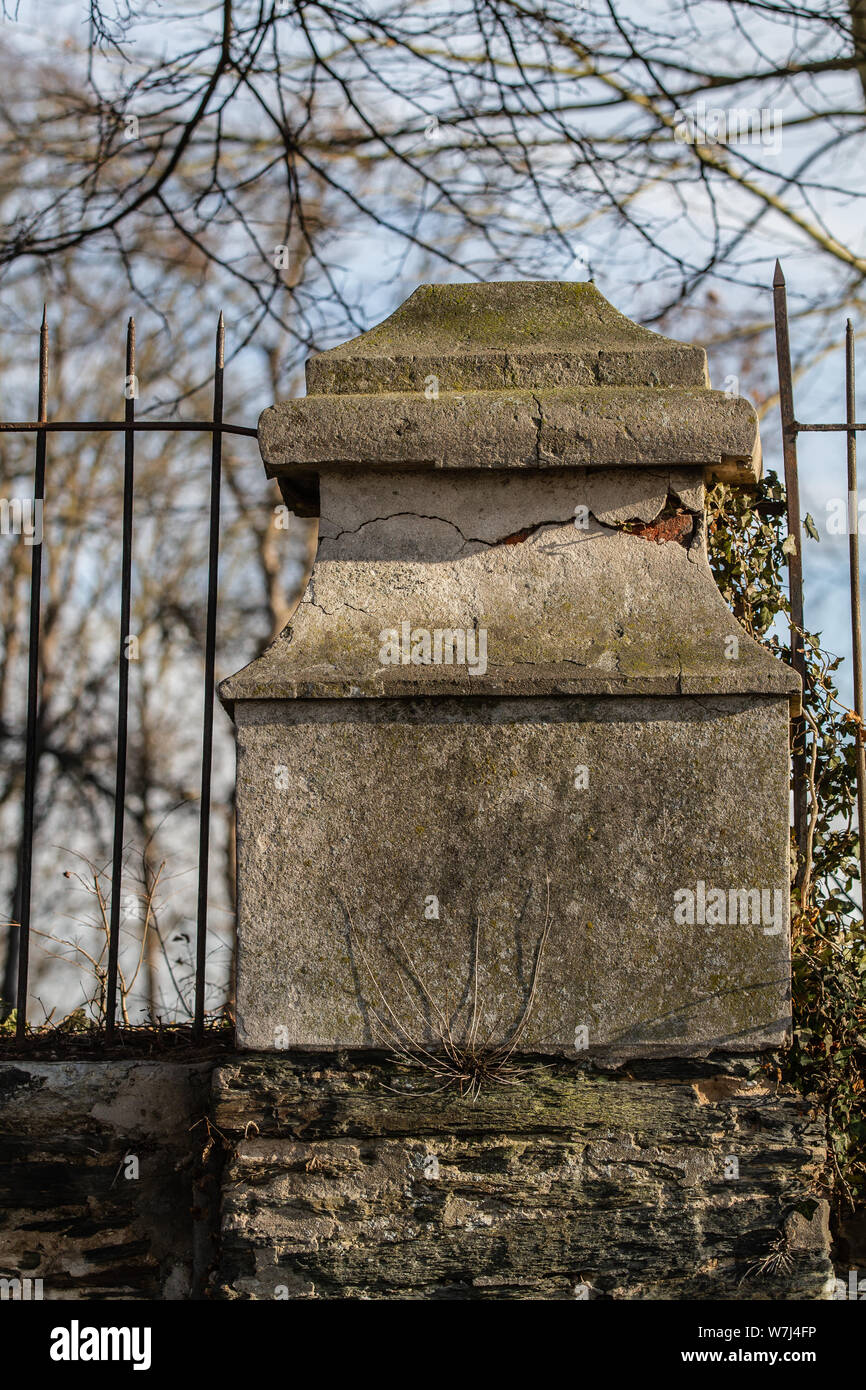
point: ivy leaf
(811, 528)
(789, 546)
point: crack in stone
(310, 598)
(331, 611)
(510, 539)
(538, 422)
(372, 520)
(692, 544)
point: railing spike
(124, 657)
(209, 677)
(31, 757)
(854, 579)
(795, 556)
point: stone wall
(345, 1177)
(69, 1213)
(351, 1180)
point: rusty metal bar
(122, 688)
(31, 760)
(100, 426)
(795, 559)
(847, 428)
(856, 629)
(209, 673)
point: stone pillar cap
(510, 375)
(512, 333)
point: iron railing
(128, 427)
(216, 427)
(791, 428)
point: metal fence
(216, 428)
(128, 427)
(791, 428)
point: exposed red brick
(669, 528)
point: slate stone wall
(353, 1181)
(332, 1177)
(69, 1214)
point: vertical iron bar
(209, 674)
(122, 686)
(31, 759)
(856, 639)
(795, 560)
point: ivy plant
(748, 547)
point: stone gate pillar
(513, 838)
(513, 767)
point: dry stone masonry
(670, 1179)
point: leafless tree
(485, 136)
